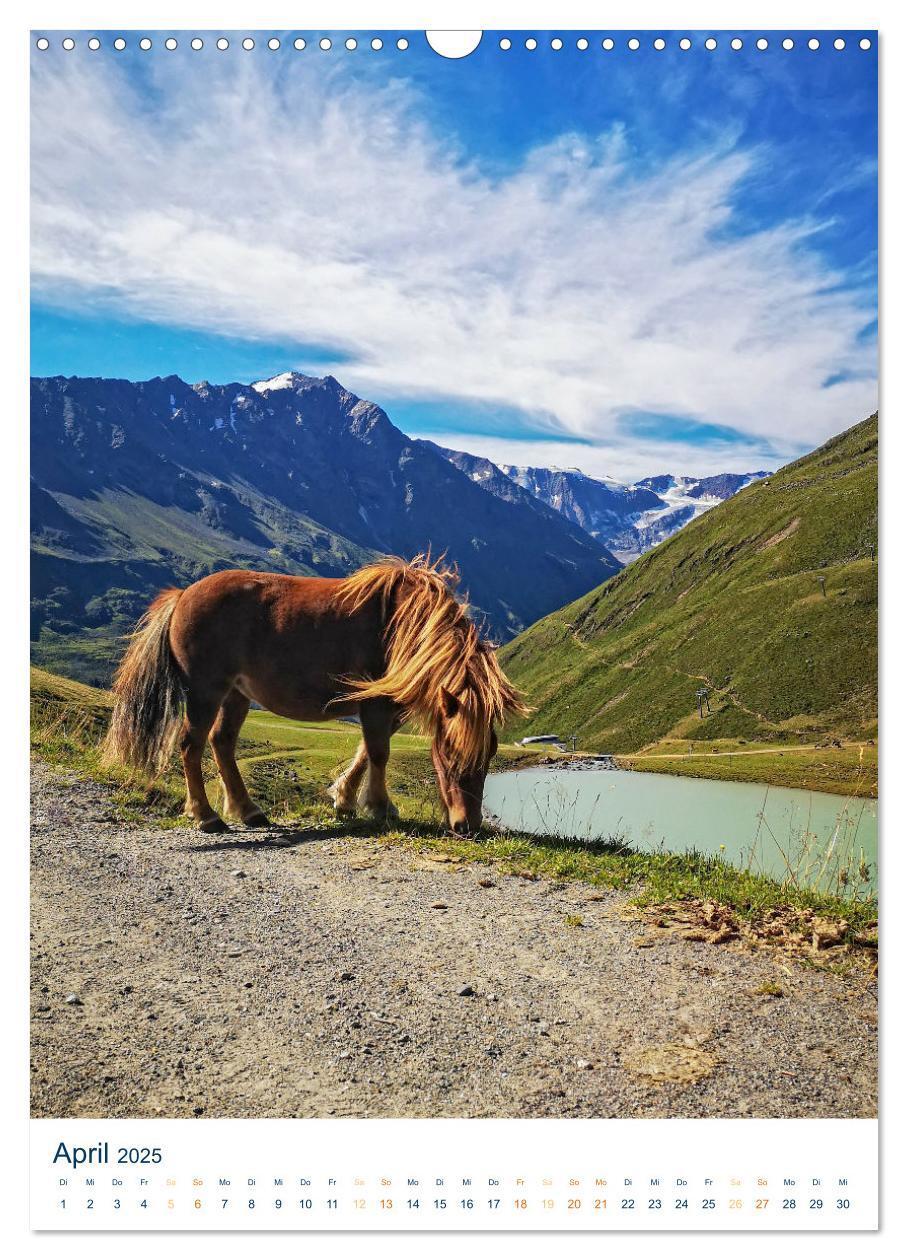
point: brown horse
(390, 643)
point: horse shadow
(287, 836)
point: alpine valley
(767, 606)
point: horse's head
(439, 673)
(464, 744)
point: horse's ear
(449, 703)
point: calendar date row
(520, 1204)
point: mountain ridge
(138, 485)
(628, 519)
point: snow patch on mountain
(284, 380)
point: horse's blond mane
(438, 668)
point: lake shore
(843, 768)
(846, 769)
(799, 839)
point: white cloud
(576, 288)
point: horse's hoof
(258, 819)
(387, 812)
(343, 807)
(213, 826)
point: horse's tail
(149, 694)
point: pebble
(466, 991)
(73, 999)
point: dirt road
(315, 973)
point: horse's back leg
(224, 735)
(344, 791)
(201, 709)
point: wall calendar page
(453, 629)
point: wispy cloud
(579, 288)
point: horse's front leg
(379, 721)
(344, 791)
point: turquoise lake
(815, 839)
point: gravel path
(315, 973)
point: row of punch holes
(531, 43)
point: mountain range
(627, 519)
(140, 485)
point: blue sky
(620, 260)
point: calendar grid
(484, 1175)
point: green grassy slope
(733, 602)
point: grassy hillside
(734, 603)
(842, 769)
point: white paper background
(14, 49)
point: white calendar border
(229, 14)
